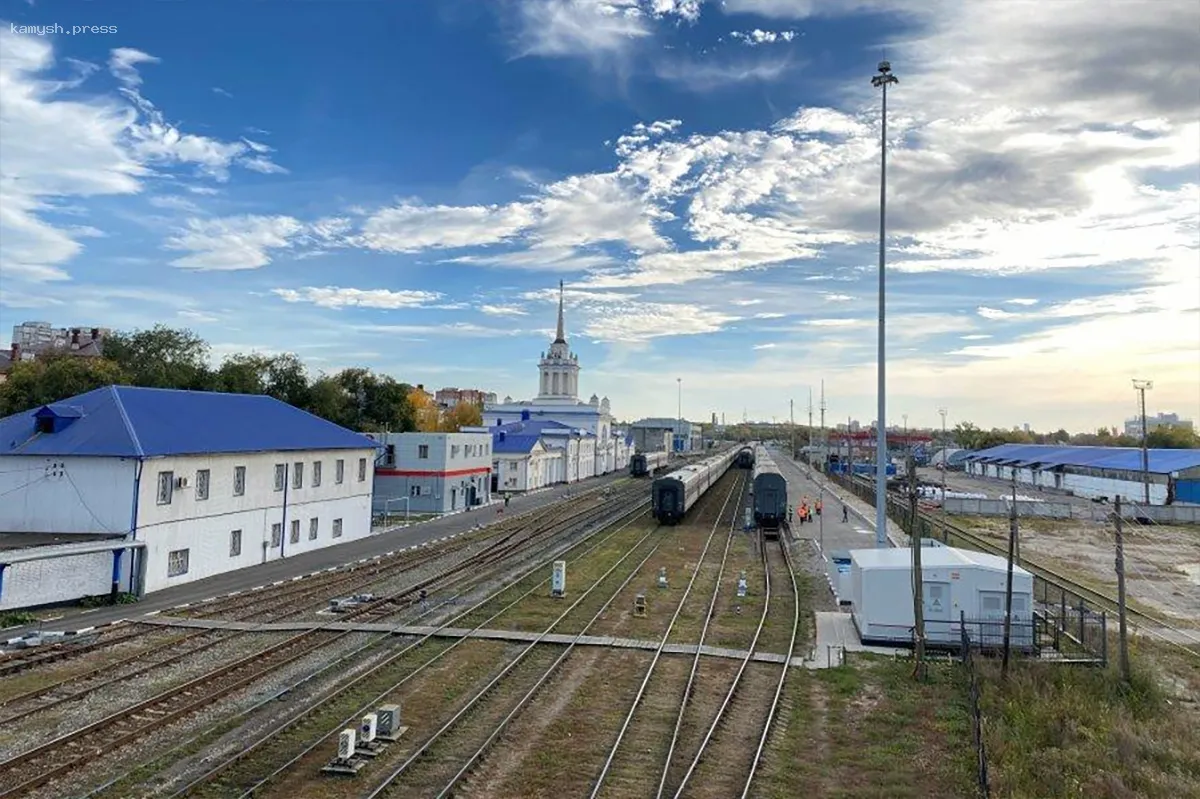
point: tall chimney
(74, 338)
(95, 333)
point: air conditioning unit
(181, 482)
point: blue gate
(1187, 491)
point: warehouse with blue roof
(140, 489)
(1095, 472)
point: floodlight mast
(882, 80)
(1141, 386)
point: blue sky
(402, 186)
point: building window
(177, 562)
(235, 543)
(280, 475)
(297, 475)
(312, 529)
(277, 534)
(362, 470)
(166, 487)
(414, 491)
(239, 481)
(294, 538)
(423, 451)
(339, 471)
(389, 457)
(337, 528)
(454, 450)
(202, 476)
(316, 474)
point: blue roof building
(176, 485)
(1174, 474)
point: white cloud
(995, 313)
(700, 75)
(199, 317)
(411, 228)
(503, 310)
(232, 243)
(1021, 301)
(603, 31)
(765, 346)
(756, 37)
(642, 321)
(335, 297)
(123, 63)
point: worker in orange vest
(803, 512)
(818, 507)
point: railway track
(237, 776)
(608, 765)
(1149, 623)
(56, 757)
(297, 590)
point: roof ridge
(129, 428)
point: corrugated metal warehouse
(193, 483)
(1094, 472)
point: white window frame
(362, 470)
(177, 562)
(337, 528)
(294, 536)
(313, 527)
(339, 471)
(166, 487)
(298, 475)
(203, 483)
(316, 477)
(235, 543)
(239, 481)
(276, 534)
(280, 476)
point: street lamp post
(1140, 386)
(679, 417)
(945, 464)
(882, 80)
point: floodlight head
(885, 66)
(1143, 385)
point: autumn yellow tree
(463, 414)
(425, 412)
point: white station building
(140, 489)
(558, 401)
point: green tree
(329, 399)
(463, 414)
(1172, 437)
(243, 374)
(53, 377)
(379, 402)
(161, 357)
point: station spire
(560, 338)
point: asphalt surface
(57, 619)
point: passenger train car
(745, 458)
(647, 463)
(770, 494)
(674, 494)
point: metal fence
(1065, 621)
(968, 660)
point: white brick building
(170, 486)
(436, 472)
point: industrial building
(957, 583)
(1094, 472)
(140, 489)
(432, 472)
(558, 401)
(680, 435)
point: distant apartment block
(31, 338)
(450, 397)
(1133, 427)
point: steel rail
(353, 718)
(783, 673)
(328, 695)
(499, 729)
(687, 691)
(750, 652)
(658, 652)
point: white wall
(65, 494)
(41, 582)
(203, 526)
(433, 477)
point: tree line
(165, 357)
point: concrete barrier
(1000, 507)
(1162, 514)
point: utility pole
(1140, 386)
(882, 80)
(918, 576)
(792, 417)
(824, 439)
(679, 430)
(1121, 589)
(945, 463)
(1012, 547)
(810, 426)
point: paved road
(243, 579)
